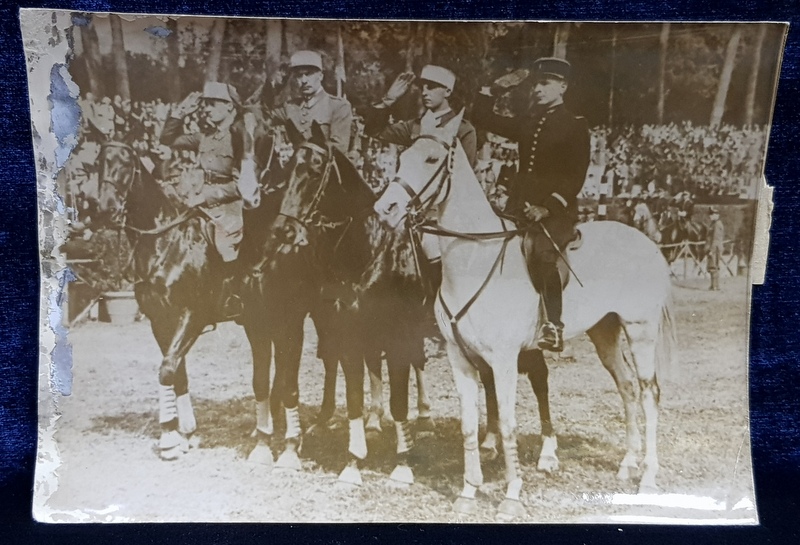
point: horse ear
(317, 136)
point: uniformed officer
(219, 155)
(554, 149)
(437, 86)
(715, 242)
(333, 114)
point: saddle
(561, 264)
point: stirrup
(551, 338)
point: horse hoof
(547, 464)
(465, 506)
(373, 424)
(351, 475)
(288, 461)
(489, 453)
(171, 445)
(648, 488)
(261, 455)
(510, 510)
(425, 424)
(402, 475)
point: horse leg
(424, 420)
(606, 338)
(535, 367)
(466, 379)
(261, 348)
(174, 344)
(505, 377)
(374, 363)
(353, 367)
(399, 374)
(642, 338)
(489, 444)
(288, 351)
(328, 406)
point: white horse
(488, 310)
(644, 221)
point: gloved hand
(535, 213)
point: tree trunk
(274, 41)
(411, 46)
(429, 37)
(92, 58)
(612, 83)
(123, 87)
(560, 41)
(725, 78)
(173, 70)
(215, 53)
(662, 65)
(752, 81)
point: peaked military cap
(552, 67)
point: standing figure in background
(715, 242)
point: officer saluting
(554, 149)
(437, 86)
(219, 154)
(333, 114)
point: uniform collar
(311, 102)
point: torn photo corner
(548, 231)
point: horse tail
(667, 340)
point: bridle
(120, 218)
(418, 208)
(312, 217)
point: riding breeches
(228, 228)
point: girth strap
(479, 365)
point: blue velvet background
(775, 372)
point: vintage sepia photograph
(396, 271)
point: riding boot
(551, 333)
(231, 301)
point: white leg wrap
(292, 423)
(263, 417)
(186, 421)
(167, 404)
(404, 440)
(358, 439)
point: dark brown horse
(173, 261)
(370, 301)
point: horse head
(424, 173)
(117, 171)
(323, 191)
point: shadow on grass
(437, 459)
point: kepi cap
(215, 90)
(438, 74)
(713, 210)
(552, 67)
(306, 58)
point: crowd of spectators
(652, 162)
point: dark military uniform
(403, 133)
(219, 152)
(333, 114)
(554, 151)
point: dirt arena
(110, 471)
